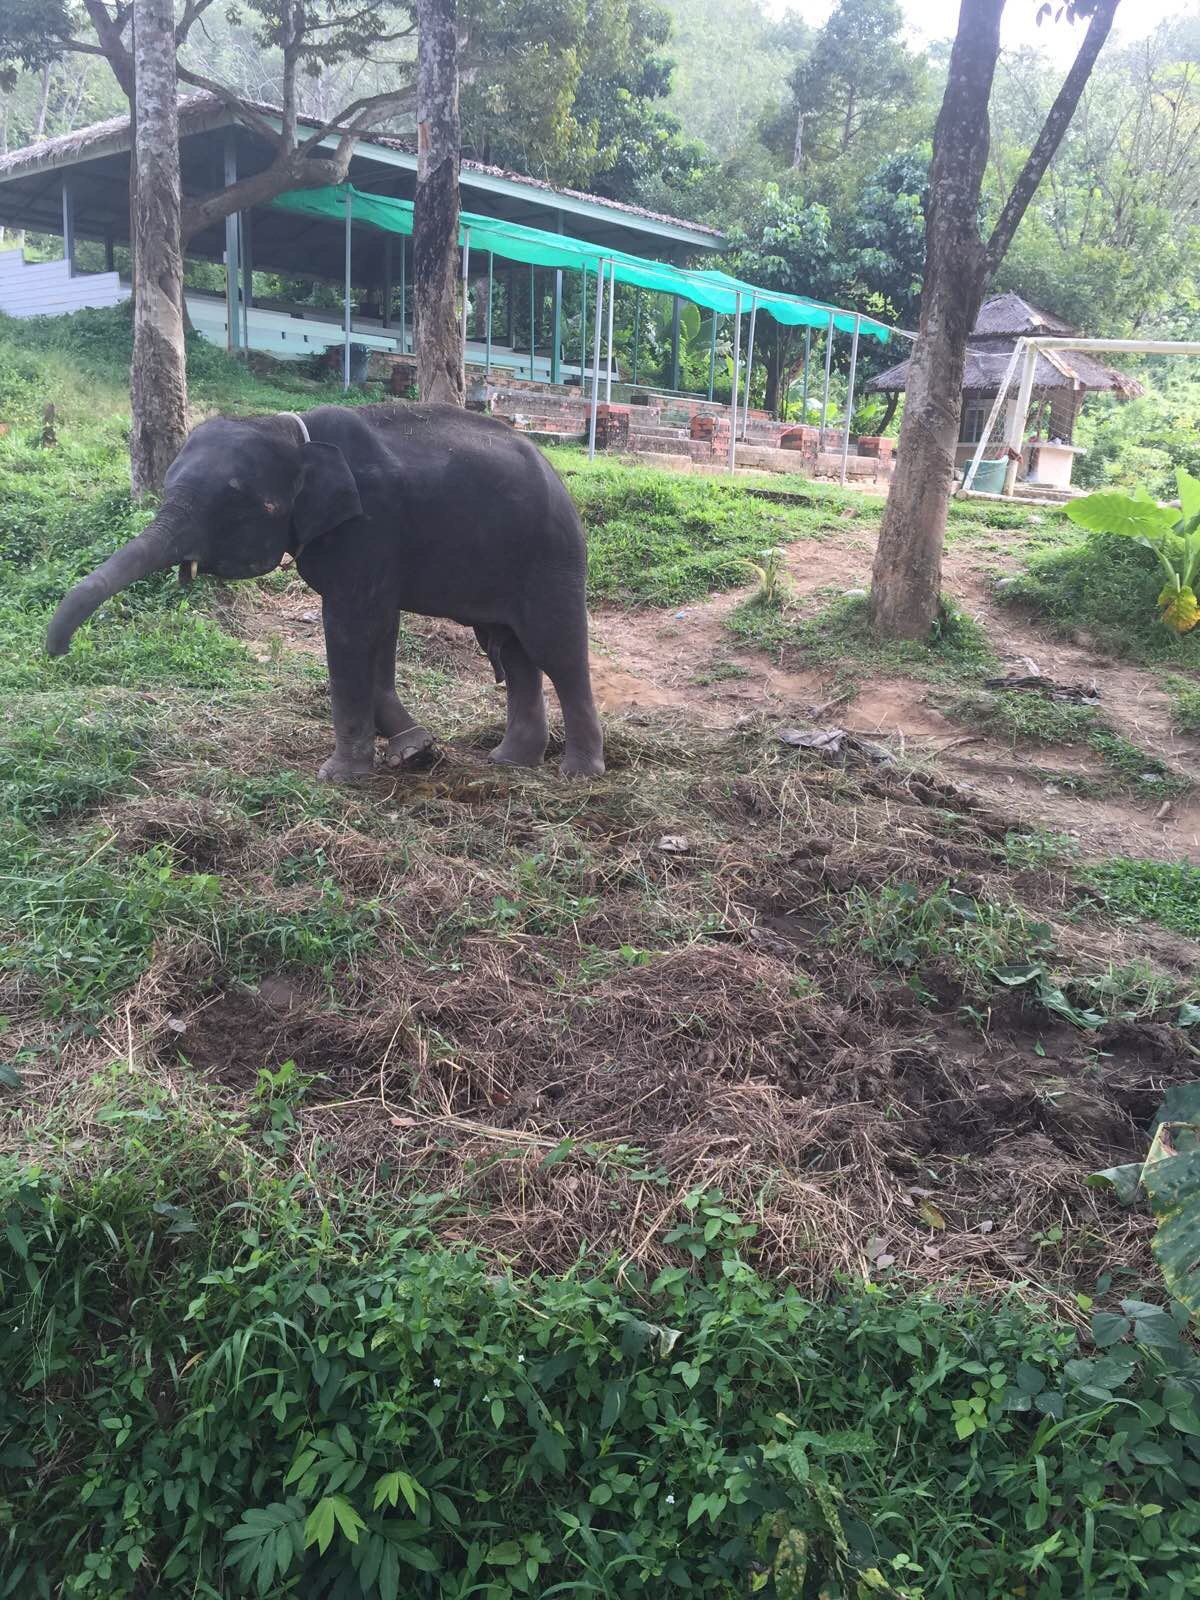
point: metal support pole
(466, 298)
(712, 356)
(110, 264)
(556, 328)
(231, 247)
(825, 396)
(637, 329)
(804, 391)
(386, 297)
(532, 318)
(997, 406)
(596, 363)
(1016, 425)
(675, 343)
(247, 240)
(749, 363)
(403, 293)
(68, 216)
(733, 407)
(487, 368)
(612, 300)
(582, 330)
(346, 295)
(850, 397)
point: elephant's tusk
(195, 568)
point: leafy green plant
(1170, 1179)
(771, 572)
(214, 1381)
(986, 947)
(1173, 535)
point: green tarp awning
(715, 291)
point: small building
(1063, 379)
(77, 186)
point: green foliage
(1170, 1178)
(1174, 539)
(1164, 892)
(1143, 442)
(1108, 588)
(207, 1388)
(987, 949)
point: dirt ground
(661, 980)
(684, 660)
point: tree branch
(244, 112)
(1055, 125)
(359, 114)
(192, 11)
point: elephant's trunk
(158, 546)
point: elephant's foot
(412, 748)
(581, 764)
(519, 752)
(341, 768)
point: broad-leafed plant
(1172, 532)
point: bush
(205, 1389)
(1108, 586)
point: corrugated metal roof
(200, 112)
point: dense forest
(808, 146)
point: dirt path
(686, 660)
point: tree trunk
(158, 379)
(435, 213)
(906, 579)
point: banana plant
(1172, 532)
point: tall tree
(158, 378)
(304, 38)
(435, 210)
(906, 581)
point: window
(974, 421)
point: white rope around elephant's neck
(296, 417)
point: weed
(969, 938)
(718, 672)
(1039, 849)
(840, 636)
(1167, 893)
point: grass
(486, 1200)
(1185, 704)
(660, 539)
(1029, 719)
(839, 637)
(1149, 891)
(1108, 588)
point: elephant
(386, 508)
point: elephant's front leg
(351, 650)
(406, 739)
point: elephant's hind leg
(560, 649)
(528, 732)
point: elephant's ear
(328, 494)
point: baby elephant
(387, 509)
